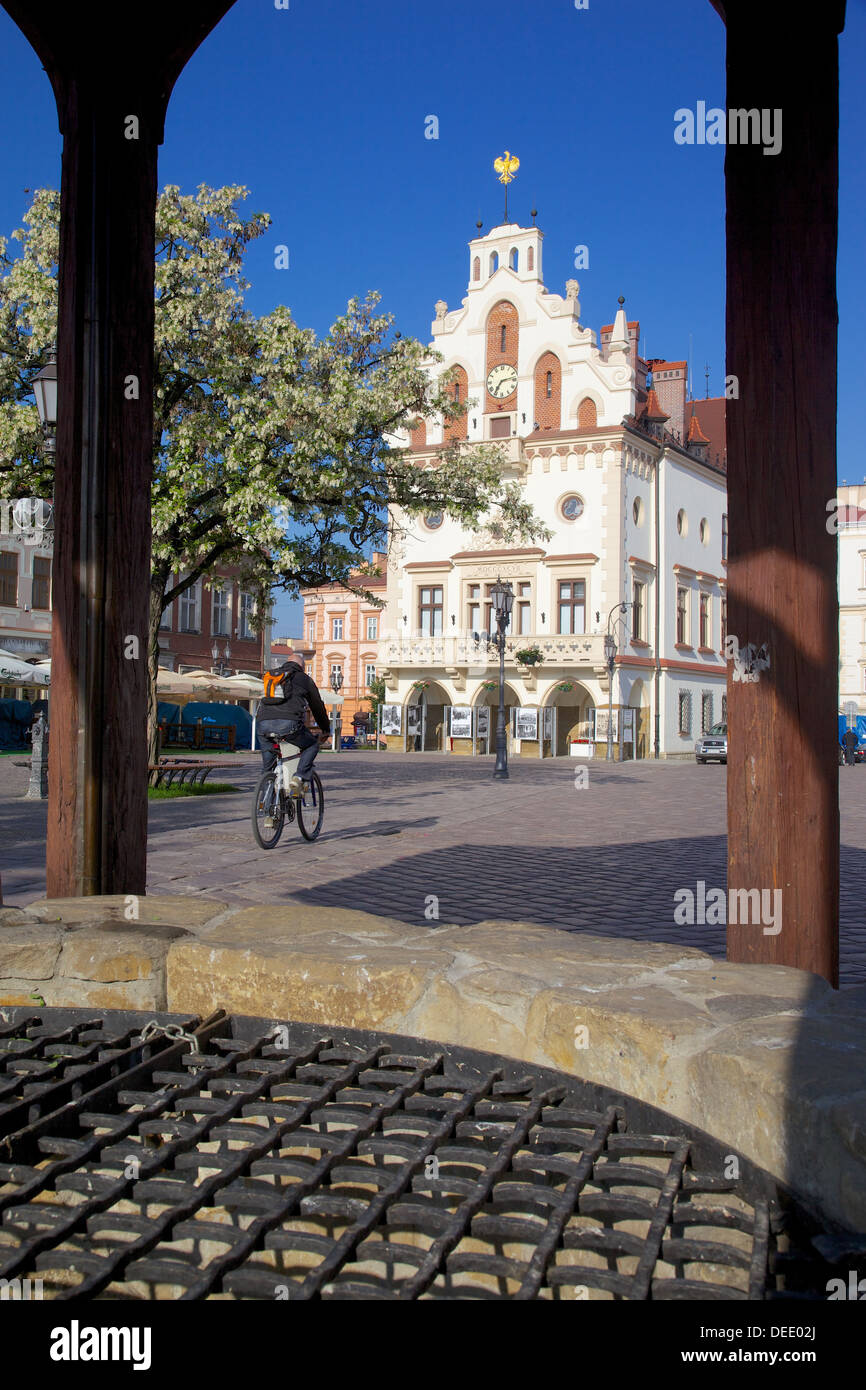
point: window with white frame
(524, 607)
(247, 609)
(682, 615)
(685, 712)
(337, 629)
(221, 613)
(336, 672)
(638, 610)
(311, 631)
(372, 628)
(705, 633)
(706, 711)
(189, 608)
(369, 673)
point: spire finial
(707, 378)
(506, 167)
(533, 214)
(621, 300)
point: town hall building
(637, 511)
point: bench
(199, 735)
(189, 770)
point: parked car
(713, 745)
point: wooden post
(112, 70)
(783, 812)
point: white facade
(604, 483)
(851, 521)
(25, 590)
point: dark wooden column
(112, 68)
(783, 811)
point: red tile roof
(652, 410)
(695, 434)
(711, 418)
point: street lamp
(502, 597)
(45, 391)
(610, 661)
(336, 686)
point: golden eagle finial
(506, 167)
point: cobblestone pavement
(409, 835)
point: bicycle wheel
(311, 809)
(267, 805)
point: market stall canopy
(245, 687)
(170, 683)
(14, 671)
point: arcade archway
(485, 739)
(427, 718)
(573, 718)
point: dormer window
(502, 338)
(494, 262)
(512, 258)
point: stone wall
(766, 1058)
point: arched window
(548, 392)
(530, 258)
(587, 416)
(502, 338)
(457, 429)
(476, 268)
(494, 262)
(512, 258)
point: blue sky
(320, 111)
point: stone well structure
(767, 1058)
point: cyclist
(288, 693)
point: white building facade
(851, 523)
(636, 516)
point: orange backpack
(272, 680)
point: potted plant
(530, 656)
(420, 685)
(565, 685)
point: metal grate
(275, 1163)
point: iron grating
(276, 1162)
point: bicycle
(274, 804)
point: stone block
(330, 985)
(112, 953)
(178, 910)
(29, 952)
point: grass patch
(195, 789)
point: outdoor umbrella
(14, 671)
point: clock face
(502, 381)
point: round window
(637, 512)
(433, 521)
(682, 523)
(705, 531)
(571, 507)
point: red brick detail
(587, 415)
(501, 313)
(530, 258)
(458, 429)
(548, 409)
(476, 268)
(418, 435)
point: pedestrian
(849, 741)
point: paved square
(410, 835)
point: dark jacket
(850, 740)
(298, 690)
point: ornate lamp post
(45, 390)
(610, 660)
(221, 667)
(336, 686)
(502, 597)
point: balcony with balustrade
(468, 654)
